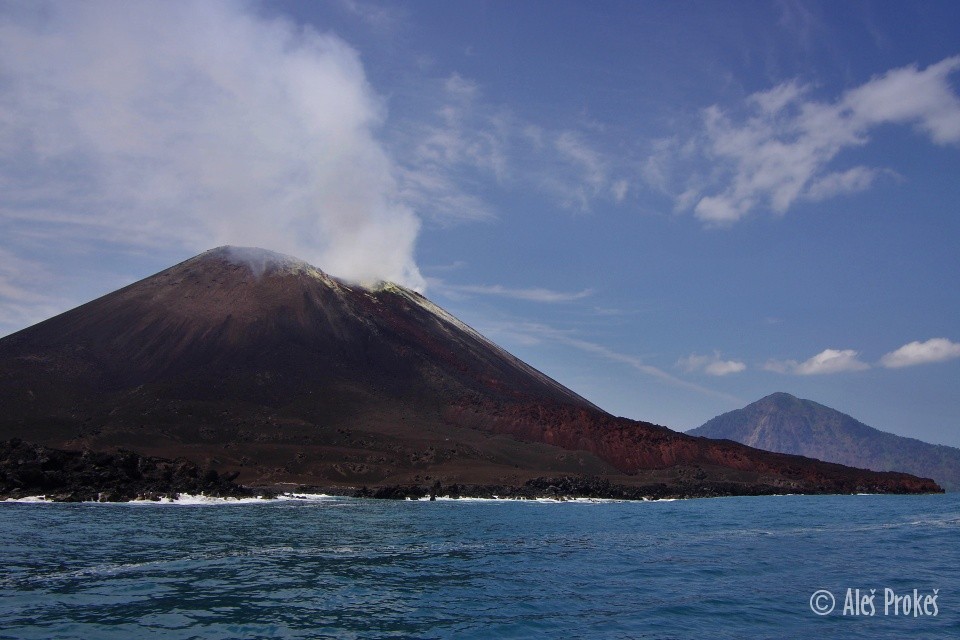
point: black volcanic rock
(247, 361)
(28, 470)
(784, 423)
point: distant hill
(786, 424)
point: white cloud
(458, 86)
(832, 361)
(914, 353)
(193, 124)
(712, 365)
(782, 151)
(721, 210)
(843, 182)
(775, 99)
(910, 96)
(724, 367)
(619, 190)
(825, 362)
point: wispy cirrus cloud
(381, 18)
(22, 298)
(532, 294)
(587, 163)
(915, 353)
(464, 143)
(532, 333)
(782, 148)
(827, 361)
(712, 365)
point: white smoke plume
(195, 124)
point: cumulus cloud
(712, 365)
(914, 353)
(781, 150)
(825, 362)
(193, 124)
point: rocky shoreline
(565, 488)
(28, 470)
(578, 487)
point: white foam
(466, 499)
(308, 497)
(195, 499)
(190, 499)
(187, 498)
(200, 499)
(520, 499)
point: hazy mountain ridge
(783, 423)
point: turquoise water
(348, 568)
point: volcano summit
(248, 361)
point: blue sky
(674, 208)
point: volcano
(251, 362)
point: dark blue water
(346, 568)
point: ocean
(325, 567)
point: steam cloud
(195, 124)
